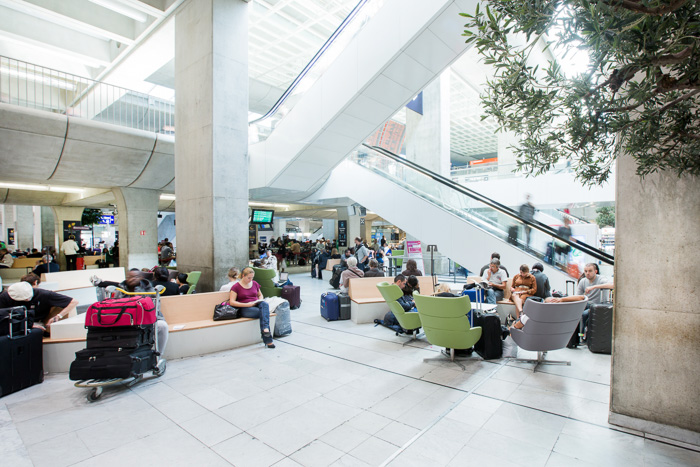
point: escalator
(465, 225)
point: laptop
(284, 276)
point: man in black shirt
(44, 307)
(543, 288)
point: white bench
(192, 331)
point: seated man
(351, 272)
(523, 317)
(406, 300)
(485, 267)
(373, 270)
(591, 286)
(45, 266)
(400, 280)
(543, 287)
(44, 307)
(496, 279)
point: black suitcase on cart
(104, 363)
(124, 337)
(599, 332)
(21, 357)
(490, 344)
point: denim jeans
(493, 295)
(261, 311)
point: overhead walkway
(465, 225)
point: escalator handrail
(311, 63)
(588, 249)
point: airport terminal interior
(197, 136)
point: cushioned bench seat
(192, 331)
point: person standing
(527, 213)
(70, 249)
(361, 253)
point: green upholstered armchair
(398, 262)
(445, 323)
(408, 321)
(264, 278)
(192, 280)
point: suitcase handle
(15, 311)
(119, 316)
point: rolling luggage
(127, 337)
(129, 311)
(344, 300)
(21, 357)
(490, 344)
(330, 306)
(102, 363)
(575, 339)
(335, 278)
(79, 263)
(476, 295)
(292, 293)
(283, 322)
(599, 332)
(14, 320)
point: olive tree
(638, 94)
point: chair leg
(414, 337)
(451, 356)
(541, 361)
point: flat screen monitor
(261, 216)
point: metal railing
(43, 88)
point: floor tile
(245, 451)
(317, 454)
(397, 433)
(60, 451)
(210, 429)
(345, 437)
(373, 451)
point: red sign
(484, 161)
(143, 232)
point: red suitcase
(292, 293)
(130, 311)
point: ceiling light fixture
(167, 197)
(31, 187)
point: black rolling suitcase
(490, 345)
(344, 300)
(103, 363)
(125, 337)
(599, 332)
(513, 235)
(21, 358)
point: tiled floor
(332, 394)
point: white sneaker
(94, 280)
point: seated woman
(246, 296)
(406, 301)
(523, 318)
(182, 286)
(523, 286)
(411, 269)
(444, 290)
(161, 277)
(352, 272)
(335, 254)
(232, 279)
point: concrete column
(279, 228)
(48, 228)
(24, 233)
(211, 148)
(36, 234)
(428, 135)
(138, 227)
(64, 213)
(353, 226)
(656, 343)
(329, 230)
(367, 231)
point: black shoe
(267, 339)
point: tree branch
(637, 7)
(672, 59)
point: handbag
(224, 311)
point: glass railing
(555, 247)
(42, 88)
(496, 172)
(262, 126)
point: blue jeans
(493, 295)
(261, 311)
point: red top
(244, 295)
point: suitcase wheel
(95, 394)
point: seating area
(366, 301)
(192, 331)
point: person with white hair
(352, 272)
(44, 307)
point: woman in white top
(232, 279)
(70, 249)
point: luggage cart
(96, 386)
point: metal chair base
(415, 336)
(451, 357)
(541, 361)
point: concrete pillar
(36, 235)
(305, 227)
(353, 226)
(24, 232)
(64, 213)
(330, 229)
(367, 231)
(48, 228)
(138, 227)
(211, 148)
(656, 343)
(428, 135)
(279, 228)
